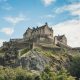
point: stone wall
(42, 34)
(39, 31)
(27, 34)
(21, 45)
(60, 39)
(18, 45)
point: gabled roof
(38, 28)
(60, 36)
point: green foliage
(23, 74)
(7, 73)
(75, 66)
(15, 74)
(47, 74)
(47, 53)
(23, 51)
(64, 75)
(2, 53)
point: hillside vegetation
(42, 64)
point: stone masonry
(43, 34)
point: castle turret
(27, 34)
(39, 31)
(60, 39)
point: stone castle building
(39, 31)
(43, 34)
(60, 39)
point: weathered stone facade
(40, 37)
(60, 39)
(43, 34)
(39, 31)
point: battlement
(44, 30)
(43, 34)
(60, 39)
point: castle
(43, 34)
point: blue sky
(62, 15)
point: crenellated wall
(43, 34)
(60, 39)
(39, 31)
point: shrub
(23, 51)
(7, 73)
(75, 66)
(47, 74)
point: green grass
(2, 52)
(23, 51)
(7, 73)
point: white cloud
(1, 42)
(74, 9)
(71, 29)
(47, 16)
(48, 2)
(7, 7)
(3, 0)
(7, 30)
(15, 20)
(72, 1)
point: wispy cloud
(1, 42)
(7, 30)
(49, 16)
(72, 1)
(3, 0)
(74, 9)
(15, 20)
(7, 7)
(47, 2)
(71, 29)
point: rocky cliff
(38, 58)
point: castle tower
(42, 31)
(27, 34)
(60, 39)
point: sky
(62, 15)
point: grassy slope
(59, 60)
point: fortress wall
(43, 30)
(62, 45)
(43, 34)
(21, 45)
(48, 32)
(55, 49)
(38, 32)
(26, 45)
(64, 40)
(60, 39)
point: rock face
(11, 58)
(34, 61)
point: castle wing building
(44, 30)
(43, 34)
(60, 39)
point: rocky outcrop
(34, 61)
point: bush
(75, 66)
(22, 74)
(24, 51)
(47, 74)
